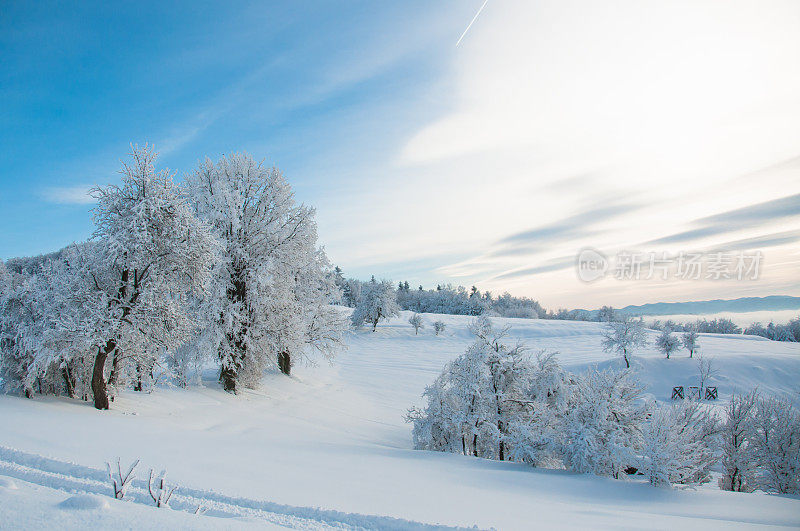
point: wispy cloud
(761, 242)
(762, 212)
(551, 265)
(734, 220)
(577, 225)
(68, 195)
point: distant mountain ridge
(740, 305)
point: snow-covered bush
(738, 450)
(377, 301)
(439, 327)
(667, 342)
(536, 431)
(416, 321)
(776, 443)
(603, 424)
(678, 444)
(623, 336)
(270, 299)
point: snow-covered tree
(438, 427)
(270, 297)
(603, 425)
(66, 314)
(5, 280)
(470, 398)
(606, 314)
(506, 372)
(535, 432)
(776, 441)
(438, 327)
(738, 450)
(19, 314)
(623, 336)
(705, 371)
(377, 301)
(689, 341)
(667, 342)
(678, 444)
(152, 252)
(416, 321)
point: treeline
(497, 402)
(225, 266)
(453, 300)
(775, 332)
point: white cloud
(69, 195)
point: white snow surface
(328, 447)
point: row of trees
(446, 299)
(497, 402)
(776, 332)
(626, 334)
(226, 263)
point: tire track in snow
(74, 478)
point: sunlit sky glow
(552, 126)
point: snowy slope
(329, 447)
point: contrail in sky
(473, 21)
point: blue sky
(552, 127)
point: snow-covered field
(328, 448)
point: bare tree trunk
(98, 381)
(114, 374)
(228, 378)
(236, 292)
(285, 363)
(70, 385)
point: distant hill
(740, 305)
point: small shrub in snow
(121, 481)
(158, 489)
(439, 327)
(416, 321)
(667, 343)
